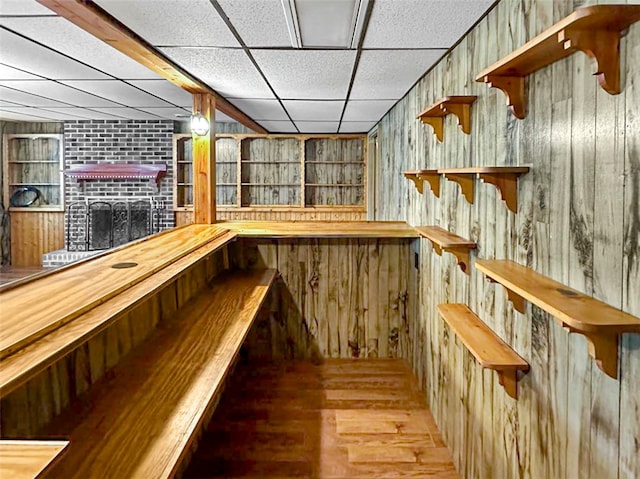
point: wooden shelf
(33, 162)
(247, 162)
(110, 171)
(443, 240)
(505, 178)
(600, 323)
(34, 184)
(271, 184)
(594, 30)
(490, 351)
(460, 106)
(334, 163)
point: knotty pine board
(30, 407)
(336, 298)
(577, 222)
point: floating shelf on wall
(413, 176)
(490, 351)
(443, 240)
(109, 171)
(594, 30)
(505, 178)
(600, 323)
(460, 106)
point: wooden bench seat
(144, 418)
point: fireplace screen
(102, 225)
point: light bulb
(199, 124)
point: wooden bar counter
(38, 307)
(320, 229)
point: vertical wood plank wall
(336, 298)
(27, 410)
(578, 222)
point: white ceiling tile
(366, 110)
(118, 92)
(317, 126)
(8, 115)
(9, 73)
(58, 92)
(61, 35)
(273, 126)
(260, 23)
(421, 23)
(21, 53)
(356, 126)
(314, 110)
(166, 90)
(57, 114)
(222, 118)
(307, 74)
(70, 113)
(23, 7)
(171, 113)
(129, 113)
(378, 67)
(261, 109)
(229, 72)
(173, 22)
(26, 99)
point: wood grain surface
(23, 365)
(41, 306)
(341, 419)
(29, 459)
(578, 142)
(171, 383)
(320, 229)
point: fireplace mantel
(108, 171)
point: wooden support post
(204, 162)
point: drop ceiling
(308, 66)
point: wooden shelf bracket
(417, 181)
(437, 123)
(594, 30)
(598, 322)
(433, 178)
(466, 182)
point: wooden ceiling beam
(94, 20)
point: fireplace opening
(100, 225)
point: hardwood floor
(343, 419)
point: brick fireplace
(114, 142)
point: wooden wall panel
(336, 298)
(284, 214)
(34, 234)
(578, 222)
(27, 410)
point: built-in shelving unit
(36, 161)
(600, 323)
(460, 106)
(284, 171)
(505, 178)
(487, 348)
(595, 30)
(443, 240)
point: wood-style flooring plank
(361, 419)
